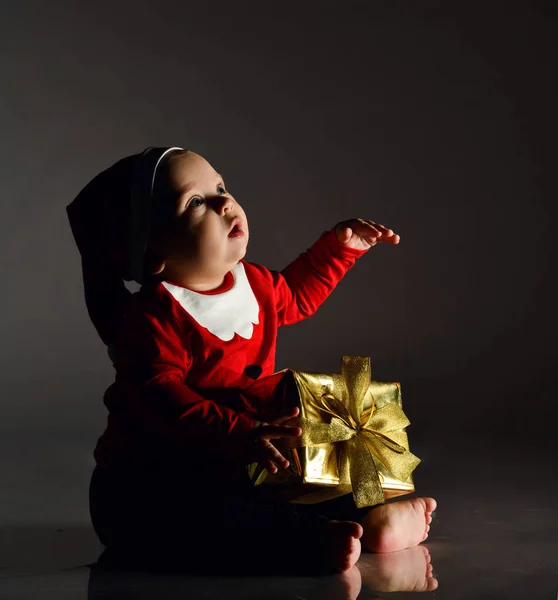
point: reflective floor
(494, 535)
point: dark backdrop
(437, 119)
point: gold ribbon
(360, 434)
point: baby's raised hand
(361, 234)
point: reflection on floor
(515, 555)
(494, 535)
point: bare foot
(408, 570)
(342, 544)
(347, 585)
(398, 525)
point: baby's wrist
(341, 249)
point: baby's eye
(223, 188)
(195, 202)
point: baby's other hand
(286, 443)
(361, 234)
(263, 451)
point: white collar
(233, 311)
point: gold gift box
(353, 438)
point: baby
(194, 353)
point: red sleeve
(304, 285)
(152, 359)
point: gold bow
(360, 434)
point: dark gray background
(436, 119)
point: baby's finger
(273, 455)
(273, 466)
(269, 465)
(291, 414)
(363, 229)
(393, 239)
(388, 235)
(385, 231)
(282, 414)
(266, 452)
(273, 432)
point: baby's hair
(161, 203)
(160, 184)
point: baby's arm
(152, 359)
(304, 284)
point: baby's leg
(155, 521)
(397, 525)
(310, 547)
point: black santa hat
(109, 219)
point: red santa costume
(193, 370)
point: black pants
(161, 520)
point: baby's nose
(224, 204)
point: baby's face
(204, 231)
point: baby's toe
(431, 504)
(432, 584)
(427, 559)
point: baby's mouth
(236, 230)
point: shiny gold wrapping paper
(353, 438)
